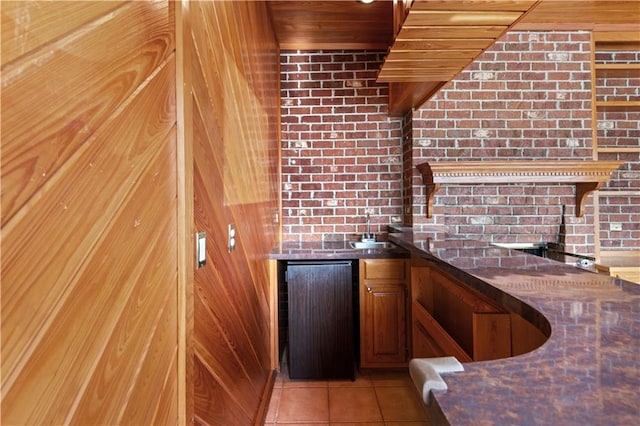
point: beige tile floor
(373, 399)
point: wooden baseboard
(263, 408)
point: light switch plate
(201, 249)
(231, 237)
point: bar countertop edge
(586, 373)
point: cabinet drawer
(384, 269)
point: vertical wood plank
(186, 224)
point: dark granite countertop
(588, 371)
(330, 250)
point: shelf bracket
(582, 190)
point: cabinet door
(383, 325)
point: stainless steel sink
(371, 245)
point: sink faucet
(368, 236)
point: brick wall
(527, 97)
(341, 152)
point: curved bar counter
(586, 373)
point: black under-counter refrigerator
(321, 335)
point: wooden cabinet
(383, 312)
(451, 319)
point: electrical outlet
(231, 237)
(615, 226)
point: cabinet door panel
(384, 337)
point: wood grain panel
(440, 32)
(420, 17)
(137, 386)
(435, 55)
(473, 5)
(28, 25)
(604, 15)
(237, 309)
(89, 251)
(78, 82)
(212, 405)
(218, 355)
(234, 100)
(167, 410)
(127, 312)
(34, 290)
(314, 25)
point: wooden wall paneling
(167, 411)
(29, 25)
(212, 406)
(208, 169)
(103, 252)
(215, 285)
(146, 329)
(186, 224)
(235, 152)
(33, 290)
(89, 255)
(78, 81)
(218, 354)
(245, 180)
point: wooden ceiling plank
(487, 5)
(427, 63)
(422, 71)
(417, 33)
(417, 78)
(433, 54)
(582, 15)
(450, 18)
(442, 44)
(323, 45)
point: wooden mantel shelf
(587, 175)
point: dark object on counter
(320, 320)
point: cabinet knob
(368, 289)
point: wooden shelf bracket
(586, 175)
